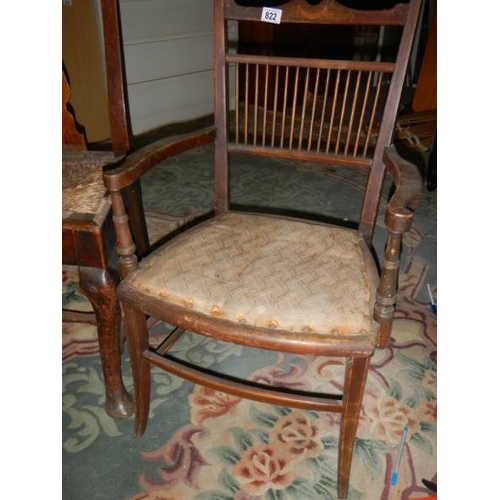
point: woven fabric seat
(266, 272)
(83, 191)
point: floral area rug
(203, 445)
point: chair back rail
(327, 12)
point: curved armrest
(408, 183)
(142, 160)
(128, 216)
(398, 219)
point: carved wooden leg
(99, 288)
(354, 385)
(136, 332)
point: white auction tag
(271, 15)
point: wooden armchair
(88, 236)
(274, 282)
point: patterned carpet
(202, 445)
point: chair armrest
(122, 178)
(407, 194)
(139, 162)
(398, 219)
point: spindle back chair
(240, 277)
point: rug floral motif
(203, 445)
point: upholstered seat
(266, 272)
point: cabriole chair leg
(99, 288)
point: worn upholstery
(268, 272)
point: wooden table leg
(99, 288)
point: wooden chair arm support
(142, 160)
(408, 184)
(130, 171)
(398, 219)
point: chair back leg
(136, 333)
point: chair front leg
(356, 372)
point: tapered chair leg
(355, 378)
(136, 333)
(99, 288)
